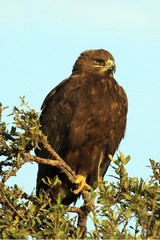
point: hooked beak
(110, 65)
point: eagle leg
(81, 181)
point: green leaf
(127, 196)
(18, 159)
(111, 158)
(126, 160)
(128, 213)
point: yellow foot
(81, 181)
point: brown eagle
(84, 118)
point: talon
(81, 181)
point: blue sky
(41, 39)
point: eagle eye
(100, 62)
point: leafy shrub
(126, 208)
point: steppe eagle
(84, 118)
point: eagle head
(98, 61)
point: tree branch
(59, 163)
(20, 157)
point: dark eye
(100, 62)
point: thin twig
(24, 219)
(74, 209)
(15, 209)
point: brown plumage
(84, 118)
